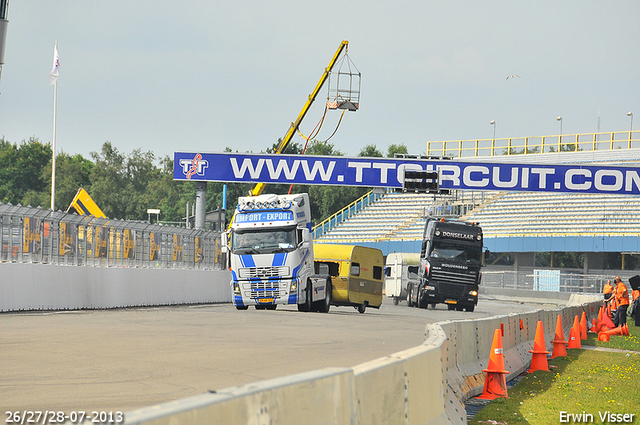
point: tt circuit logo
(195, 166)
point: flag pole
(55, 112)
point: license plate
(451, 302)
(265, 300)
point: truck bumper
(456, 294)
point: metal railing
(36, 235)
(546, 280)
(348, 211)
(533, 145)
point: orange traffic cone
(603, 336)
(495, 383)
(574, 335)
(625, 330)
(614, 331)
(559, 344)
(599, 320)
(539, 359)
(606, 320)
(583, 326)
(593, 325)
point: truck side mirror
(224, 245)
(306, 238)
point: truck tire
(409, 301)
(308, 304)
(325, 305)
(470, 308)
(242, 307)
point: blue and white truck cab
(270, 251)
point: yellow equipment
(83, 204)
(258, 188)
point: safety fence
(534, 145)
(546, 280)
(36, 235)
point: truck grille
(447, 276)
(453, 290)
(265, 290)
(263, 272)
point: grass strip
(588, 384)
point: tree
(109, 182)
(394, 149)
(370, 151)
(21, 169)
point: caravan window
(377, 272)
(355, 269)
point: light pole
(630, 114)
(493, 123)
(560, 119)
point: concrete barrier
(25, 286)
(427, 384)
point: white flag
(55, 72)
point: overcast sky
(201, 76)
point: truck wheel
(362, 308)
(409, 303)
(307, 306)
(325, 304)
(272, 306)
(433, 306)
(242, 307)
(459, 308)
(470, 308)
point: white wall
(26, 286)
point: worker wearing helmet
(621, 295)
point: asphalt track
(120, 360)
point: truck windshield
(264, 241)
(456, 251)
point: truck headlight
(236, 289)
(474, 293)
(430, 288)
(294, 286)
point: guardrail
(348, 211)
(36, 235)
(534, 145)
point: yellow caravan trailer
(356, 274)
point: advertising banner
(67, 238)
(177, 248)
(102, 234)
(31, 235)
(155, 240)
(389, 172)
(129, 249)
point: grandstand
(519, 223)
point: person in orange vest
(635, 294)
(621, 295)
(608, 292)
